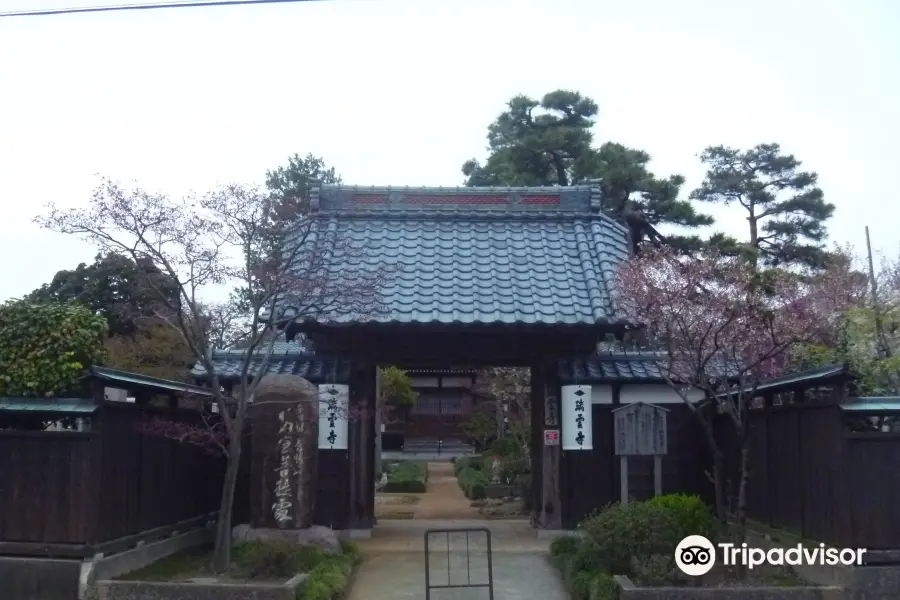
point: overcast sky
(401, 93)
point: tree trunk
(754, 238)
(740, 517)
(222, 548)
(378, 422)
(719, 486)
(718, 470)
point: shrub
(580, 584)
(562, 548)
(409, 477)
(274, 559)
(472, 462)
(638, 529)
(578, 561)
(506, 447)
(472, 482)
(654, 571)
(603, 587)
(351, 551)
(690, 515)
(329, 578)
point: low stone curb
(629, 591)
(156, 590)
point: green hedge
(329, 574)
(329, 579)
(639, 530)
(273, 559)
(472, 482)
(577, 562)
(475, 472)
(407, 477)
(471, 462)
(637, 540)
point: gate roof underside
(480, 256)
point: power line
(122, 7)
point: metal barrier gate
(449, 585)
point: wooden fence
(76, 493)
(812, 477)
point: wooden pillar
(362, 447)
(537, 442)
(551, 508)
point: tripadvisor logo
(695, 555)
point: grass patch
(262, 561)
(175, 567)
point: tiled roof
(615, 364)
(288, 361)
(115, 376)
(296, 346)
(599, 368)
(822, 374)
(539, 256)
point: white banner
(334, 406)
(577, 427)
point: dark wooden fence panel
(588, 477)
(823, 514)
(684, 467)
(758, 492)
(809, 477)
(783, 464)
(149, 480)
(872, 482)
(332, 489)
(45, 484)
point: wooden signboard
(640, 429)
(551, 410)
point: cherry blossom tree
(281, 268)
(723, 326)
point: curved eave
(311, 325)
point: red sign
(551, 437)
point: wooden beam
(473, 348)
(129, 541)
(44, 550)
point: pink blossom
(708, 311)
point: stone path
(443, 498)
(394, 563)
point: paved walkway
(394, 563)
(443, 498)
